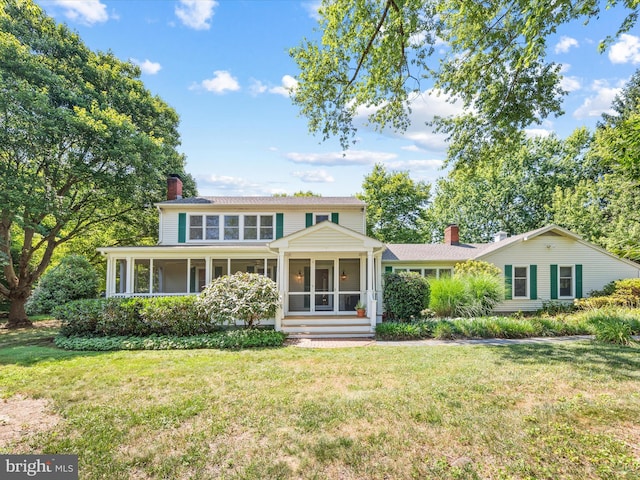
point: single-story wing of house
(317, 251)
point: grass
(519, 411)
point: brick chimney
(451, 235)
(174, 187)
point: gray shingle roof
(291, 201)
(432, 251)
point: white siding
(326, 240)
(294, 220)
(598, 268)
(169, 226)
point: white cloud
(537, 132)
(222, 82)
(565, 44)
(257, 87)
(424, 108)
(228, 185)
(148, 67)
(570, 84)
(196, 13)
(314, 176)
(288, 85)
(350, 157)
(599, 102)
(627, 50)
(433, 164)
(84, 11)
(313, 8)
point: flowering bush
(249, 297)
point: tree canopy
(378, 54)
(396, 206)
(82, 144)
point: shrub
(406, 295)
(79, 317)
(555, 307)
(476, 267)
(74, 278)
(249, 297)
(466, 295)
(402, 330)
(231, 339)
(621, 293)
(177, 316)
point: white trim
(526, 283)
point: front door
(323, 289)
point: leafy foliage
(74, 278)
(230, 339)
(396, 206)
(623, 293)
(248, 297)
(82, 144)
(466, 295)
(375, 54)
(178, 316)
(405, 295)
(476, 267)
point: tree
(396, 206)
(513, 191)
(82, 144)
(376, 54)
(249, 297)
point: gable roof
(327, 225)
(477, 251)
(263, 201)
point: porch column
(151, 276)
(372, 306)
(280, 281)
(207, 270)
(110, 285)
(129, 285)
(188, 276)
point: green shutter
(308, 219)
(533, 282)
(335, 217)
(554, 282)
(578, 281)
(182, 227)
(279, 225)
(388, 269)
(508, 279)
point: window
(427, 272)
(254, 224)
(566, 281)
(520, 281)
(322, 217)
(445, 273)
(430, 272)
(266, 227)
(205, 227)
(232, 227)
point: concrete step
(324, 321)
(331, 335)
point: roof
(407, 252)
(263, 201)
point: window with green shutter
(508, 278)
(279, 225)
(554, 282)
(533, 282)
(182, 227)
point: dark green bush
(79, 317)
(136, 316)
(74, 278)
(230, 339)
(405, 295)
(466, 295)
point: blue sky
(224, 67)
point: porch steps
(327, 327)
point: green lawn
(520, 411)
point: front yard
(519, 411)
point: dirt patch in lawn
(21, 417)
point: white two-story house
(316, 250)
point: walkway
(367, 342)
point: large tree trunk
(17, 314)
